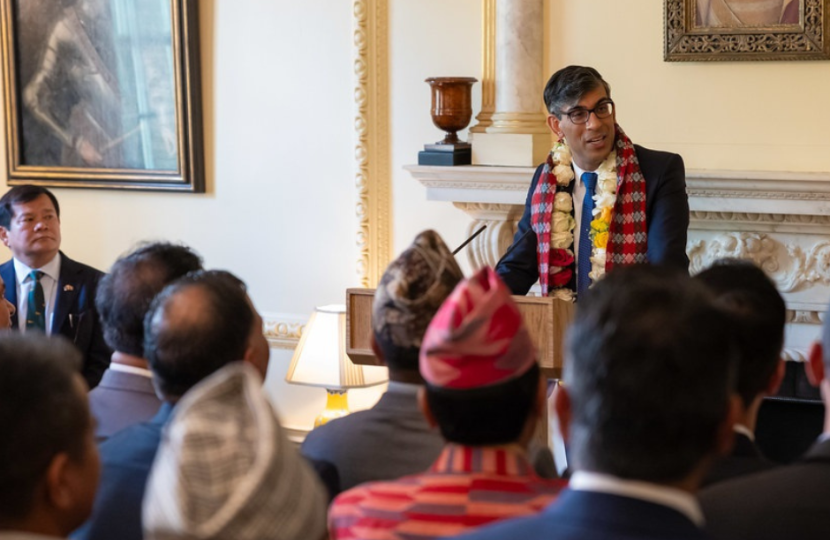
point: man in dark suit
(195, 326)
(646, 406)
(126, 395)
(788, 502)
(759, 316)
(51, 292)
(583, 117)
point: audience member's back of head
(194, 327)
(46, 436)
(124, 295)
(649, 372)
(759, 314)
(482, 379)
(409, 293)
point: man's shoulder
(649, 155)
(134, 446)
(70, 266)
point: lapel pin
(68, 288)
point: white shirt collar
(403, 388)
(51, 269)
(123, 368)
(743, 430)
(679, 500)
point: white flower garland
(563, 223)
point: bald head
(196, 326)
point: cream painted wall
(717, 115)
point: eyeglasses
(580, 115)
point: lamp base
(337, 406)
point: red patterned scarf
(628, 233)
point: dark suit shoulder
(74, 267)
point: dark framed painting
(103, 93)
(707, 30)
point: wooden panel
(359, 326)
(546, 320)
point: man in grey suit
(126, 395)
(393, 438)
(788, 502)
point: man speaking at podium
(598, 201)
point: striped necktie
(36, 306)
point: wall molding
(283, 331)
(371, 124)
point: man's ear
(4, 236)
(814, 366)
(423, 404)
(57, 486)
(777, 377)
(562, 409)
(553, 124)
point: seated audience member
(51, 293)
(195, 326)
(393, 439)
(225, 469)
(6, 308)
(788, 502)
(759, 314)
(646, 406)
(125, 395)
(483, 390)
(48, 461)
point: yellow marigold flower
(605, 215)
(601, 240)
(599, 226)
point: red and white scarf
(628, 233)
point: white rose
(610, 162)
(605, 200)
(597, 270)
(561, 240)
(564, 174)
(607, 185)
(563, 202)
(562, 154)
(563, 222)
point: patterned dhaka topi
(410, 292)
(225, 470)
(477, 338)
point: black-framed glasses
(580, 115)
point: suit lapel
(68, 288)
(10, 279)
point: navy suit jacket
(745, 459)
(792, 501)
(667, 219)
(126, 460)
(75, 316)
(122, 400)
(586, 515)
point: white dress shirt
(679, 500)
(25, 283)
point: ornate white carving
(791, 266)
(804, 316)
(371, 100)
(282, 332)
(747, 217)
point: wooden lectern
(546, 320)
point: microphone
(515, 244)
(470, 239)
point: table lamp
(320, 360)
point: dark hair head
(19, 195)
(194, 327)
(759, 315)
(42, 413)
(487, 415)
(649, 372)
(124, 295)
(569, 84)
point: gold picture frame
(103, 94)
(737, 30)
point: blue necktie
(36, 306)
(586, 248)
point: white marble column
(514, 133)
